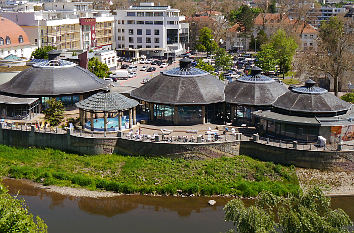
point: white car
(144, 68)
(163, 65)
(108, 79)
(132, 74)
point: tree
(335, 51)
(206, 41)
(244, 16)
(272, 8)
(42, 53)
(349, 97)
(100, 69)
(14, 216)
(267, 59)
(308, 212)
(257, 42)
(54, 112)
(205, 66)
(223, 60)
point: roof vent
(54, 55)
(309, 83)
(185, 64)
(255, 70)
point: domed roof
(53, 78)
(11, 34)
(310, 99)
(182, 86)
(107, 102)
(255, 90)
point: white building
(153, 31)
(108, 57)
(66, 25)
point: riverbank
(333, 183)
(237, 176)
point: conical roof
(182, 86)
(255, 90)
(310, 99)
(53, 78)
(107, 102)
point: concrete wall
(108, 145)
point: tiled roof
(13, 31)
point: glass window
(139, 46)
(1, 41)
(130, 13)
(148, 31)
(139, 40)
(158, 22)
(131, 39)
(157, 14)
(157, 32)
(157, 40)
(20, 39)
(171, 22)
(149, 14)
(190, 115)
(8, 41)
(139, 31)
(131, 22)
(139, 22)
(163, 113)
(149, 22)
(131, 31)
(148, 46)
(131, 46)
(140, 14)
(148, 40)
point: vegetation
(14, 216)
(280, 51)
(54, 112)
(349, 97)
(223, 60)
(244, 16)
(291, 81)
(267, 59)
(205, 66)
(257, 42)
(206, 42)
(309, 212)
(42, 53)
(100, 69)
(239, 175)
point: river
(131, 213)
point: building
(182, 96)
(14, 40)
(304, 113)
(108, 57)
(66, 25)
(153, 31)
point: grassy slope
(239, 175)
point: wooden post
(130, 118)
(105, 121)
(232, 113)
(82, 117)
(151, 106)
(92, 124)
(134, 115)
(175, 115)
(120, 120)
(203, 114)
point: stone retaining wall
(108, 145)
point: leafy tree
(267, 59)
(100, 69)
(309, 212)
(272, 8)
(205, 66)
(244, 16)
(54, 112)
(349, 97)
(257, 42)
(206, 41)
(223, 60)
(42, 53)
(14, 216)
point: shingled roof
(254, 90)
(53, 78)
(182, 86)
(310, 99)
(107, 102)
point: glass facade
(190, 115)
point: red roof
(9, 29)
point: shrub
(349, 97)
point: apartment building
(66, 25)
(149, 30)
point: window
(139, 46)
(122, 21)
(8, 41)
(131, 39)
(131, 46)
(158, 22)
(20, 39)
(156, 47)
(139, 40)
(140, 14)
(131, 22)
(123, 38)
(139, 22)
(131, 31)
(119, 30)
(157, 14)
(148, 31)
(122, 30)
(1, 41)
(148, 46)
(130, 13)
(148, 40)
(119, 38)
(311, 36)
(149, 22)
(139, 31)
(157, 32)
(171, 22)
(157, 40)
(149, 14)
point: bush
(349, 97)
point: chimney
(83, 61)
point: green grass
(291, 81)
(239, 175)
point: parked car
(120, 74)
(143, 68)
(163, 65)
(132, 74)
(124, 66)
(151, 69)
(108, 79)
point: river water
(131, 213)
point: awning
(4, 99)
(268, 115)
